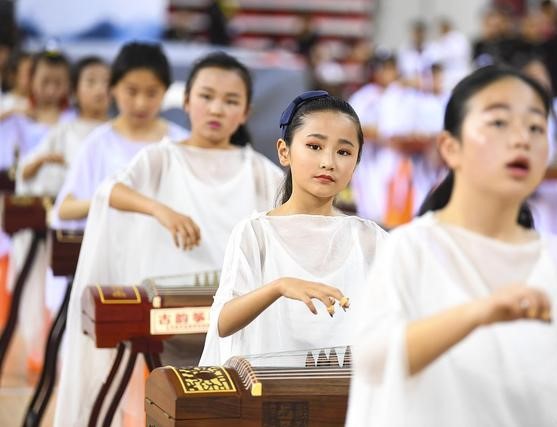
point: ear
(450, 149)
(283, 151)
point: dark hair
(49, 57)
(11, 68)
(222, 60)
(136, 55)
(81, 65)
(297, 112)
(455, 114)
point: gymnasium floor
(16, 389)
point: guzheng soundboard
(246, 393)
(156, 308)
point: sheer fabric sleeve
(241, 273)
(379, 357)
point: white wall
(392, 17)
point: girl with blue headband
(288, 272)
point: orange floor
(16, 389)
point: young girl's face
(217, 104)
(92, 89)
(50, 84)
(139, 95)
(323, 154)
(503, 149)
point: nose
(327, 160)
(521, 137)
(216, 107)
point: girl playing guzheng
(457, 326)
(290, 274)
(170, 212)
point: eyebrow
(210, 89)
(503, 106)
(324, 138)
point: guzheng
(66, 245)
(285, 389)
(25, 212)
(7, 181)
(159, 307)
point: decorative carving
(202, 379)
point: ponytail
(440, 196)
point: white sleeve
(241, 273)
(144, 171)
(380, 366)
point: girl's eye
(205, 96)
(537, 129)
(313, 146)
(344, 153)
(498, 123)
(232, 102)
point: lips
(325, 178)
(213, 124)
(519, 166)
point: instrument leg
(11, 323)
(153, 360)
(106, 386)
(43, 391)
(121, 387)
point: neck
(45, 113)
(484, 214)
(137, 131)
(303, 203)
(196, 140)
(97, 116)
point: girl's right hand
(185, 232)
(305, 291)
(54, 158)
(513, 303)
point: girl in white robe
(21, 133)
(42, 172)
(140, 75)
(456, 328)
(279, 262)
(169, 212)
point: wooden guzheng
(154, 309)
(139, 318)
(245, 392)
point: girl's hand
(513, 303)
(185, 232)
(305, 291)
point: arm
(184, 230)
(241, 311)
(429, 338)
(72, 208)
(31, 169)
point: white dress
(104, 153)
(499, 375)
(216, 188)
(66, 139)
(335, 250)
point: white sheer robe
(499, 375)
(216, 188)
(335, 250)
